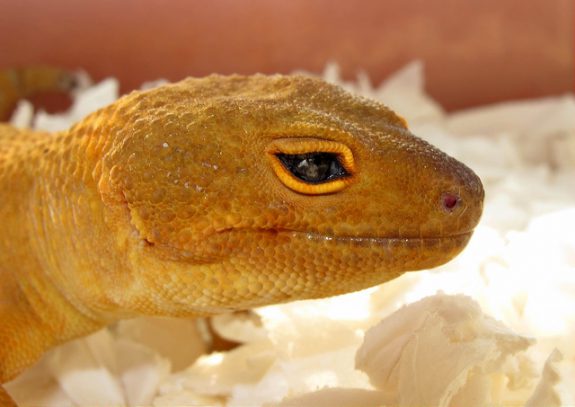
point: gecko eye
(312, 166)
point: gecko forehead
(264, 98)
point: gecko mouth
(419, 241)
(362, 241)
(392, 253)
(410, 253)
(374, 239)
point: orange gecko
(211, 195)
(21, 83)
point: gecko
(24, 82)
(215, 194)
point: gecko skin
(215, 194)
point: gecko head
(242, 191)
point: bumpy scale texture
(166, 203)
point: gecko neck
(35, 315)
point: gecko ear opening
(312, 166)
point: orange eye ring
(293, 146)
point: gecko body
(215, 194)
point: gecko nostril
(450, 201)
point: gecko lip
(459, 239)
(411, 241)
(387, 241)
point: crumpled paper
(440, 351)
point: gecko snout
(461, 203)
